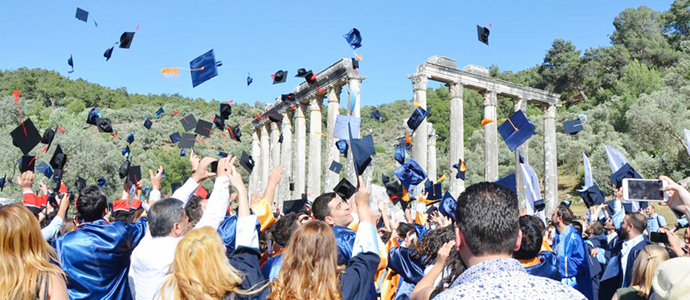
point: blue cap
(376, 115)
(45, 168)
(362, 150)
(593, 196)
(435, 191)
(249, 79)
(159, 112)
(343, 125)
(94, 114)
(447, 207)
(125, 151)
(418, 115)
(573, 126)
(130, 137)
(399, 154)
(354, 38)
(410, 173)
(626, 171)
(342, 146)
(175, 137)
(483, 34)
(335, 167)
(101, 182)
(539, 205)
(183, 152)
(516, 130)
(82, 15)
(462, 168)
(188, 122)
(509, 182)
(207, 61)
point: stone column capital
(456, 89)
(419, 81)
(315, 104)
(549, 111)
(300, 111)
(490, 98)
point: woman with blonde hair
(201, 270)
(643, 272)
(310, 269)
(26, 271)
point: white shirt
(51, 231)
(151, 259)
(625, 250)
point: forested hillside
(635, 94)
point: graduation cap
(45, 168)
(108, 53)
(345, 189)
(159, 112)
(335, 167)
(410, 173)
(247, 161)
(399, 154)
(94, 114)
(134, 174)
(101, 182)
(516, 130)
(80, 183)
(130, 137)
(565, 203)
(344, 124)
(483, 34)
(125, 151)
(204, 68)
(26, 136)
(70, 62)
(187, 140)
(104, 125)
(148, 123)
(287, 97)
(362, 150)
(447, 206)
(57, 178)
(626, 171)
(280, 138)
(416, 118)
(59, 159)
(302, 72)
(295, 206)
(82, 15)
(292, 186)
(48, 136)
(188, 122)
(219, 122)
(223, 154)
(2, 182)
(435, 191)
(509, 182)
(593, 196)
(183, 152)
(539, 205)
(249, 79)
(342, 146)
(175, 137)
(462, 168)
(280, 76)
(573, 126)
(385, 179)
(204, 128)
(355, 63)
(354, 38)
(275, 117)
(27, 163)
(376, 115)
(235, 132)
(126, 39)
(225, 111)
(310, 78)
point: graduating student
(572, 259)
(534, 254)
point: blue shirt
(505, 278)
(655, 222)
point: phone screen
(649, 190)
(214, 166)
(658, 237)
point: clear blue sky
(262, 37)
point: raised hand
(202, 171)
(156, 178)
(678, 196)
(194, 160)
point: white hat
(672, 280)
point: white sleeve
(217, 204)
(246, 234)
(366, 239)
(185, 192)
(51, 231)
(154, 195)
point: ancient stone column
(255, 176)
(275, 146)
(431, 164)
(299, 168)
(286, 160)
(265, 156)
(331, 178)
(521, 104)
(314, 187)
(456, 148)
(419, 151)
(490, 137)
(550, 171)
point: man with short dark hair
(533, 254)
(336, 212)
(487, 233)
(572, 259)
(281, 232)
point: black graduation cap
(302, 72)
(385, 179)
(539, 205)
(59, 158)
(80, 184)
(130, 138)
(275, 117)
(48, 136)
(310, 77)
(287, 97)
(204, 128)
(295, 206)
(108, 53)
(57, 178)
(354, 38)
(292, 186)
(219, 122)
(573, 126)
(362, 150)
(335, 167)
(94, 114)
(148, 123)
(27, 163)
(593, 196)
(345, 189)
(126, 39)
(235, 132)
(204, 68)
(376, 115)
(483, 34)
(187, 140)
(82, 15)
(175, 137)
(247, 161)
(355, 63)
(280, 77)
(2, 182)
(416, 118)
(225, 111)
(516, 130)
(134, 174)
(626, 171)
(125, 151)
(26, 136)
(70, 62)
(188, 122)
(104, 125)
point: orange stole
(264, 212)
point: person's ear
(459, 238)
(518, 241)
(329, 220)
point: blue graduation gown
(95, 258)
(246, 260)
(573, 261)
(357, 280)
(548, 266)
(345, 238)
(227, 231)
(612, 279)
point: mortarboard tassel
(16, 95)
(487, 121)
(62, 130)
(359, 58)
(408, 140)
(174, 72)
(442, 178)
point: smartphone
(214, 167)
(644, 190)
(658, 237)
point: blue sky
(261, 37)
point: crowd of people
(226, 244)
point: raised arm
(220, 196)
(272, 183)
(185, 192)
(424, 288)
